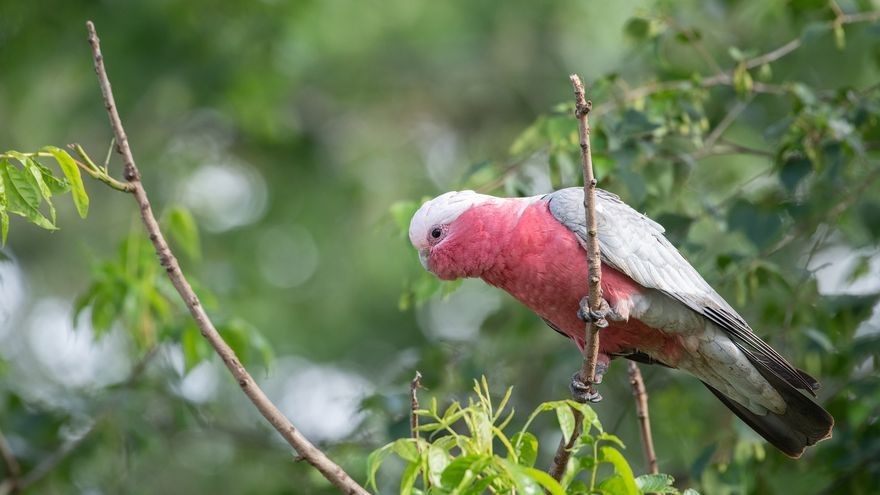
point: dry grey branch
(314, 456)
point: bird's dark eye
(436, 232)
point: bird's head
(452, 233)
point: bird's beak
(423, 258)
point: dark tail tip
(804, 422)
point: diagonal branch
(314, 456)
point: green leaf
(71, 172)
(566, 422)
(656, 483)
(374, 461)
(623, 481)
(32, 168)
(182, 228)
(460, 470)
(408, 480)
(23, 195)
(526, 482)
(406, 449)
(438, 460)
(550, 485)
(526, 446)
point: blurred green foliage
(301, 134)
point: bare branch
(641, 396)
(314, 456)
(594, 275)
(13, 468)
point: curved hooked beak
(423, 258)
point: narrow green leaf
(546, 481)
(71, 171)
(34, 169)
(566, 421)
(408, 480)
(374, 461)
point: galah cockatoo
(660, 310)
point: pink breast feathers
(545, 268)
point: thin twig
(641, 396)
(414, 385)
(314, 456)
(594, 273)
(13, 468)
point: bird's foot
(583, 391)
(598, 317)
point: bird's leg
(598, 316)
(584, 392)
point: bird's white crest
(443, 209)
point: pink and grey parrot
(659, 308)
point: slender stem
(414, 385)
(594, 273)
(13, 468)
(314, 456)
(641, 396)
(594, 263)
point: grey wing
(635, 245)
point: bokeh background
(301, 134)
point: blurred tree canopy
(302, 134)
